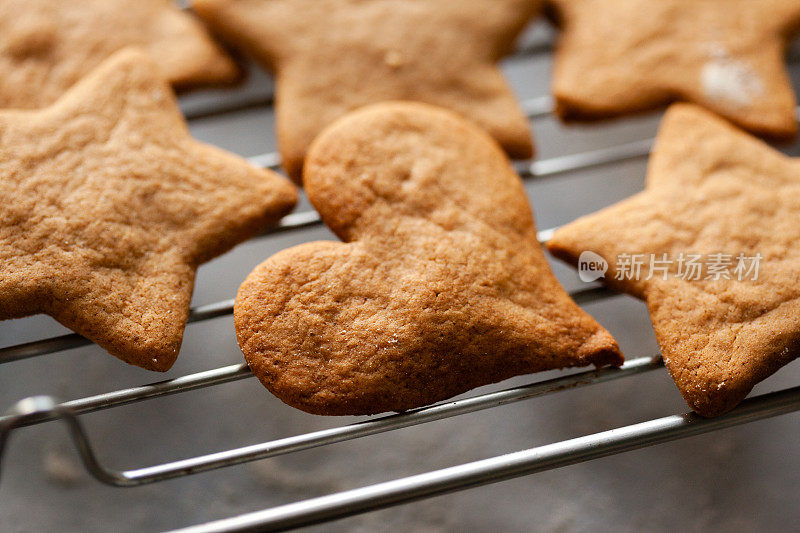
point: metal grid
(40, 409)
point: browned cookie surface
(440, 286)
(46, 46)
(622, 56)
(729, 203)
(332, 56)
(108, 205)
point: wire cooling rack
(42, 409)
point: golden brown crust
(332, 56)
(46, 46)
(626, 56)
(711, 189)
(108, 205)
(440, 287)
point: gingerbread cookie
(108, 206)
(712, 246)
(332, 56)
(439, 287)
(622, 56)
(46, 46)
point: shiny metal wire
(39, 409)
(501, 468)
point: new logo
(591, 266)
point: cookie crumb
(730, 80)
(394, 59)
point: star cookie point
(333, 56)
(710, 245)
(46, 46)
(111, 205)
(623, 57)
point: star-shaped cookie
(622, 56)
(332, 56)
(440, 285)
(728, 204)
(108, 206)
(46, 46)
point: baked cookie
(728, 204)
(622, 56)
(108, 206)
(439, 287)
(332, 56)
(46, 46)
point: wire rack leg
(36, 406)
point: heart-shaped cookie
(440, 286)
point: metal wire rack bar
(72, 340)
(19, 417)
(501, 468)
(40, 409)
